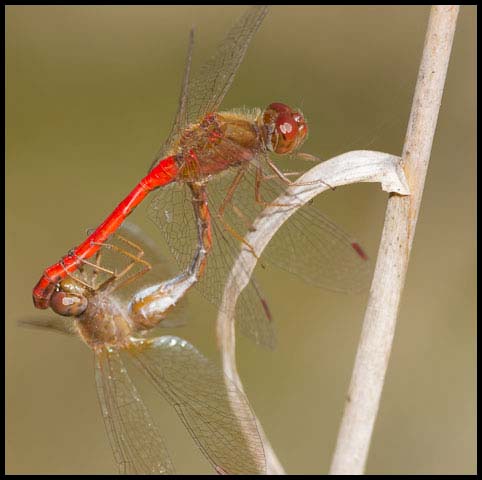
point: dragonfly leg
(77, 279)
(95, 266)
(134, 259)
(247, 222)
(260, 177)
(237, 235)
(131, 244)
(82, 262)
(227, 199)
(98, 259)
(282, 176)
(286, 174)
(232, 188)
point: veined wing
(314, 248)
(180, 120)
(308, 245)
(204, 399)
(172, 211)
(135, 440)
(208, 88)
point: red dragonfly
(114, 324)
(225, 158)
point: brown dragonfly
(112, 309)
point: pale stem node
(351, 167)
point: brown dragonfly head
(99, 319)
(284, 129)
(69, 299)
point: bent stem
(351, 167)
(376, 340)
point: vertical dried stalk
(400, 220)
(351, 167)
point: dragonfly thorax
(104, 323)
(217, 142)
(100, 320)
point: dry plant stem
(351, 167)
(401, 216)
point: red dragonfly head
(285, 129)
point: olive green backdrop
(90, 95)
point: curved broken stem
(351, 167)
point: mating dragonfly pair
(213, 176)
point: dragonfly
(229, 160)
(95, 304)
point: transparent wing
(308, 245)
(315, 249)
(180, 120)
(312, 247)
(208, 88)
(53, 324)
(172, 211)
(135, 440)
(203, 398)
(252, 315)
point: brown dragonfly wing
(135, 440)
(204, 400)
(211, 83)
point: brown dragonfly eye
(69, 300)
(68, 304)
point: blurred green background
(90, 95)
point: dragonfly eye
(69, 299)
(286, 129)
(68, 304)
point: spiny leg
(286, 180)
(140, 251)
(286, 174)
(247, 222)
(237, 235)
(260, 177)
(229, 196)
(232, 188)
(95, 273)
(134, 259)
(227, 199)
(83, 262)
(73, 277)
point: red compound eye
(287, 128)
